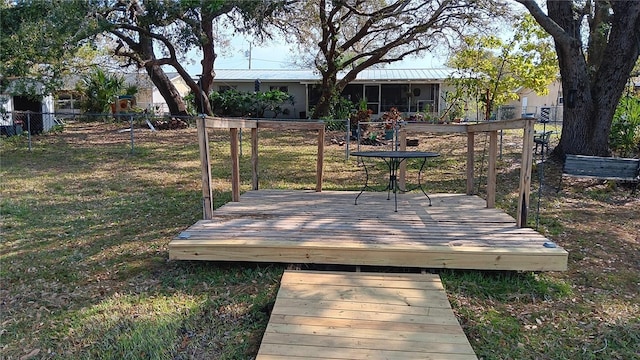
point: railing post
(347, 139)
(205, 164)
(235, 165)
(525, 174)
(320, 161)
(491, 172)
(254, 158)
(470, 155)
(402, 138)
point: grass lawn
(85, 223)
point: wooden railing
(234, 125)
(492, 128)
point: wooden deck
(332, 315)
(458, 231)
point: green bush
(99, 89)
(236, 103)
(624, 138)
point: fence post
(131, 130)
(29, 128)
(347, 139)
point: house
(158, 104)
(544, 107)
(408, 90)
(24, 105)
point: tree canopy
(489, 68)
(42, 41)
(174, 27)
(39, 37)
(346, 37)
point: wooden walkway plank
(452, 336)
(362, 316)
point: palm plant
(99, 89)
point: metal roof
(405, 74)
(308, 75)
(262, 74)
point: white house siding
(529, 103)
(48, 116)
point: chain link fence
(29, 124)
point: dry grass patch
(85, 273)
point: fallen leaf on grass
(31, 354)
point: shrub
(252, 104)
(624, 138)
(99, 89)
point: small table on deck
(393, 159)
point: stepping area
(341, 315)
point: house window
(223, 88)
(394, 96)
(284, 89)
(67, 101)
(372, 94)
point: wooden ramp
(337, 315)
(458, 232)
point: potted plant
(362, 115)
(391, 120)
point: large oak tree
(172, 28)
(594, 73)
(40, 38)
(347, 36)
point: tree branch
(555, 30)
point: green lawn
(84, 268)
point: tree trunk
(167, 90)
(323, 107)
(203, 87)
(591, 93)
(160, 79)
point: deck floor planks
(336, 315)
(458, 231)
